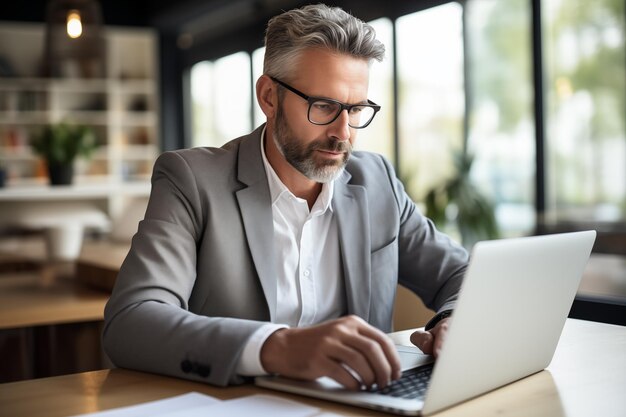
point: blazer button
(186, 366)
(203, 370)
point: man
(281, 251)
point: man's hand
(430, 341)
(328, 349)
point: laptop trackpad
(411, 357)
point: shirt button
(306, 272)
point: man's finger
(341, 374)
(355, 362)
(389, 350)
(439, 332)
(373, 353)
(423, 340)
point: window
(378, 136)
(431, 97)
(257, 71)
(221, 100)
(585, 92)
(501, 131)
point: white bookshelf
(122, 109)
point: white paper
(191, 400)
(254, 405)
(195, 404)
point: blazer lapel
(255, 206)
(350, 207)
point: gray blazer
(199, 278)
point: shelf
(76, 116)
(18, 84)
(138, 152)
(14, 117)
(126, 152)
(16, 153)
(134, 86)
(121, 108)
(138, 119)
(42, 192)
(78, 85)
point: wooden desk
(50, 319)
(49, 325)
(587, 377)
(30, 299)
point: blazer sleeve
(148, 325)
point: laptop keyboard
(412, 385)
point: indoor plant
(60, 144)
(460, 202)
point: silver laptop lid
(511, 310)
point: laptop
(511, 310)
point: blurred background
(503, 118)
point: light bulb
(74, 25)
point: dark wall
(114, 12)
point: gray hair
(316, 26)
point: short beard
(302, 157)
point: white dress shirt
(310, 286)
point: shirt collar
(278, 189)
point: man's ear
(267, 96)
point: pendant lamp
(75, 43)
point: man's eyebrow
(358, 103)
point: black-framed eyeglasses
(324, 111)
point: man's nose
(340, 127)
